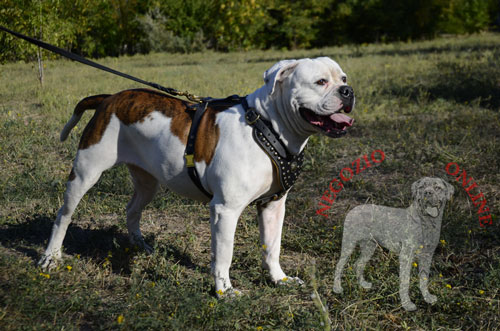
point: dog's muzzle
(431, 204)
(333, 125)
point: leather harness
(287, 165)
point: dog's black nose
(346, 92)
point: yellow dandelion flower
(211, 304)
(421, 246)
(481, 292)
(77, 256)
(137, 295)
(415, 264)
(120, 319)
(335, 227)
(69, 267)
(443, 242)
(285, 279)
(441, 275)
(448, 285)
(264, 246)
(45, 275)
(220, 292)
(152, 284)
(260, 328)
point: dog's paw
(366, 285)
(290, 281)
(140, 244)
(409, 306)
(337, 288)
(48, 262)
(148, 249)
(228, 294)
(430, 298)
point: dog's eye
(322, 81)
(344, 79)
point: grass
(424, 104)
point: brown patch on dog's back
(133, 106)
(207, 137)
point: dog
(410, 232)
(148, 131)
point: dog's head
(314, 93)
(430, 195)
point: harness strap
(198, 115)
(288, 166)
(189, 153)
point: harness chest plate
(288, 166)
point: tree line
(98, 28)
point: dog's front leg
(405, 261)
(223, 220)
(424, 263)
(271, 216)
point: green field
(424, 104)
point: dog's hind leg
(367, 248)
(145, 187)
(348, 246)
(89, 164)
(81, 180)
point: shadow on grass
(457, 81)
(99, 245)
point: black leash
(83, 60)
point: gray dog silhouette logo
(412, 232)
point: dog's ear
(449, 189)
(278, 72)
(415, 187)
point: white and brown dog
(148, 132)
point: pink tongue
(342, 119)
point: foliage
(110, 28)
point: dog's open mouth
(333, 125)
(431, 210)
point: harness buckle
(251, 116)
(189, 160)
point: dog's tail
(91, 102)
